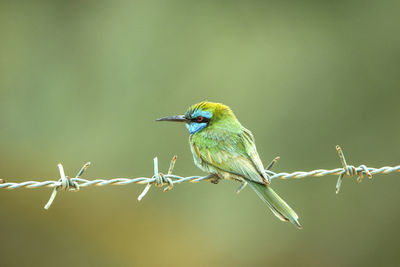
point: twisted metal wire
(159, 179)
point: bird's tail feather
(275, 203)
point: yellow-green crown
(217, 110)
(216, 113)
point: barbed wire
(159, 179)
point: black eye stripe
(204, 120)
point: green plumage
(275, 203)
(223, 147)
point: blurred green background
(85, 80)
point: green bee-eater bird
(222, 147)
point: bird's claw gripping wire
(65, 183)
(350, 170)
(159, 179)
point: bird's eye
(199, 118)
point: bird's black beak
(180, 118)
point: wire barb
(170, 170)
(350, 170)
(65, 183)
(159, 178)
(272, 163)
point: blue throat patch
(194, 127)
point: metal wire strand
(169, 179)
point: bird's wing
(230, 152)
(250, 145)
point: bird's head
(202, 115)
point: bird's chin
(194, 127)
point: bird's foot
(214, 179)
